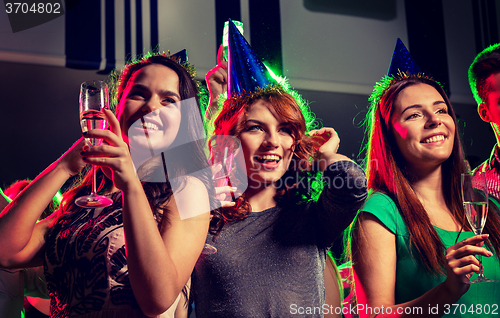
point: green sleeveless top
(412, 279)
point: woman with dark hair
(405, 254)
(131, 259)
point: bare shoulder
(191, 189)
(193, 184)
(190, 200)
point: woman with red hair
(270, 255)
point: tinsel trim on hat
(280, 87)
(116, 76)
(387, 81)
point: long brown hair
(386, 173)
(228, 122)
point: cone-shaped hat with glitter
(402, 67)
(402, 61)
(181, 55)
(246, 73)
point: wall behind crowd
(332, 52)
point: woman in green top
(413, 251)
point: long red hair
(229, 122)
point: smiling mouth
(268, 159)
(150, 126)
(434, 139)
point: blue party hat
(246, 72)
(181, 55)
(402, 61)
(402, 67)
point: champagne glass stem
(93, 180)
(481, 274)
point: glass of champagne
(94, 98)
(475, 200)
(223, 150)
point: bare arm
(375, 265)
(21, 237)
(159, 263)
(216, 80)
(332, 290)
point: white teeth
(269, 157)
(434, 139)
(150, 126)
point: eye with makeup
(412, 116)
(254, 128)
(136, 94)
(169, 100)
(286, 130)
(443, 110)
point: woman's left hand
(326, 142)
(113, 153)
(462, 262)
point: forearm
(434, 303)
(152, 273)
(18, 219)
(212, 109)
(375, 263)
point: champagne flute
(223, 150)
(475, 200)
(93, 99)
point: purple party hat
(402, 61)
(246, 72)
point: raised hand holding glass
(475, 201)
(94, 98)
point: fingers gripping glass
(93, 99)
(223, 149)
(475, 200)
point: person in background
(19, 284)
(484, 80)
